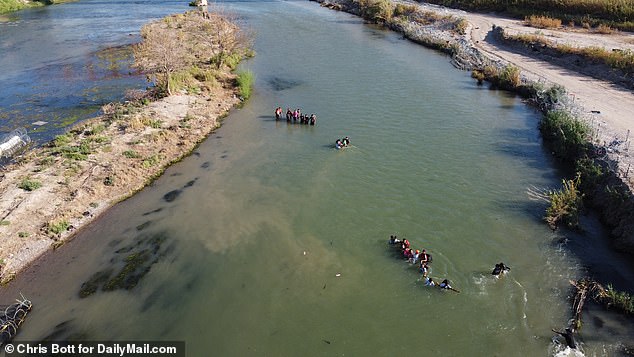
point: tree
(162, 52)
(219, 37)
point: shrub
(59, 227)
(155, 123)
(567, 136)
(96, 130)
(604, 29)
(151, 161)
(542, 22)
(460, 26)
(589, 172)
(109, 180)
(565, 205)
(61, 140)
(376, 10)
(619, 299)
(29, 185)
(23, 234)
(131, 154)
(478, 75)
(510, 77)
(5, 222)
(245, 83)
(404, 10)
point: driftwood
(584, 288)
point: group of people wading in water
(424, 259)
(296, 116)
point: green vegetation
(245, 83)
(590, 173)
(109, 180)
(615, 13)
(151, 161)
(29, 185)
(129, 265)
(131, 154)
(58, 227)
(565, 205)
(568, 136)
(4, 222)
(618, 299)
(506, 78)
(15, 5)
(23, 234)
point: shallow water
(275, 243)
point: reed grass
(245, 83)
(566, 135)
(565, 205)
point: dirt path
(607, 107)
(616, 105)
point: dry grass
(604, 29)
(618, 59)
(542, 22)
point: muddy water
(267, 241)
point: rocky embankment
(610, 193)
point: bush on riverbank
(378, 11)
(15, 5)
(565, 205)
(567, 136)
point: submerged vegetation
(128, 265)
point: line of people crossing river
(423, 259)
(296, 116)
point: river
(269, 242)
